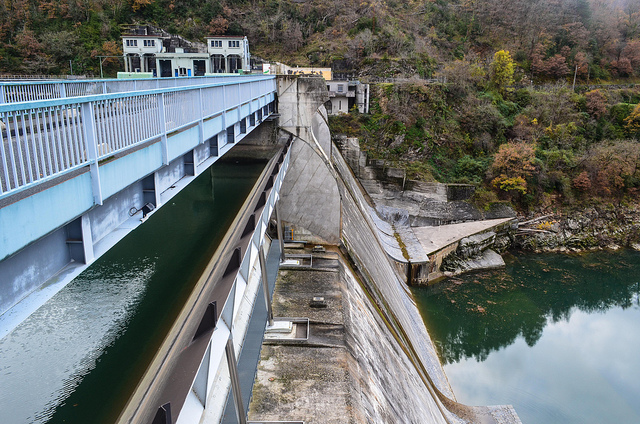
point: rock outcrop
(597, 227)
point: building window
(216, 43)
(234, 43)
(132, 43)
(149, 43)
(340, 88)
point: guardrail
(196, 367)
(42, 139)
(23, 91)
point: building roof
(142, 36)
(226, 36)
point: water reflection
(555, 336)
(79, 357)
(473, 315)
(55, 336)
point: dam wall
(396, 371)
(310, 199)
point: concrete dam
(305, 258)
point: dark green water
(79, 357)
(557, 336)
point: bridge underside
(76, 230)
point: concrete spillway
(398, 376)
(79, 357)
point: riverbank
(592, 228)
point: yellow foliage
(505, 183)
(502, 69)
(139, 4)
(545, 225)
(632, 122)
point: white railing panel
(39, 140)
(181, 108)
(39, 143)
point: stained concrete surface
(306, 381)
(436, 238)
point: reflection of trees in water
(473, 315)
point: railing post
(163, 128)
(201, 122)
(3, 99)
(89, 128)
(63, 90)
(235, 381)
(265, 285)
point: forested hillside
(547, 38)
(508, 119)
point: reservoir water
(557, 336)
(78, 358)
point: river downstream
(556, 336)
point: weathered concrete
(467, 243)
(369, 358)
(310, 202)
(348, 370)
(436, 238)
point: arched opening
(218, 63)
(235, 63)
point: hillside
(508, 122)
(547, 38)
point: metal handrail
(42, 139)
(26, 91)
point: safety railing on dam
(41, 139)
(196, 368)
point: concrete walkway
(437, 238)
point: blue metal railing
(59, 129)
(29, 91)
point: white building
(139, 52)
(166, 56)
(228, 53)
(182, 64)
(344, 95)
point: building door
(165, 68)
(199, 68)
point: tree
(513, 163)
(596, 104)
(632, 122)
(502, 70)
(613, 168)
(556, 66)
